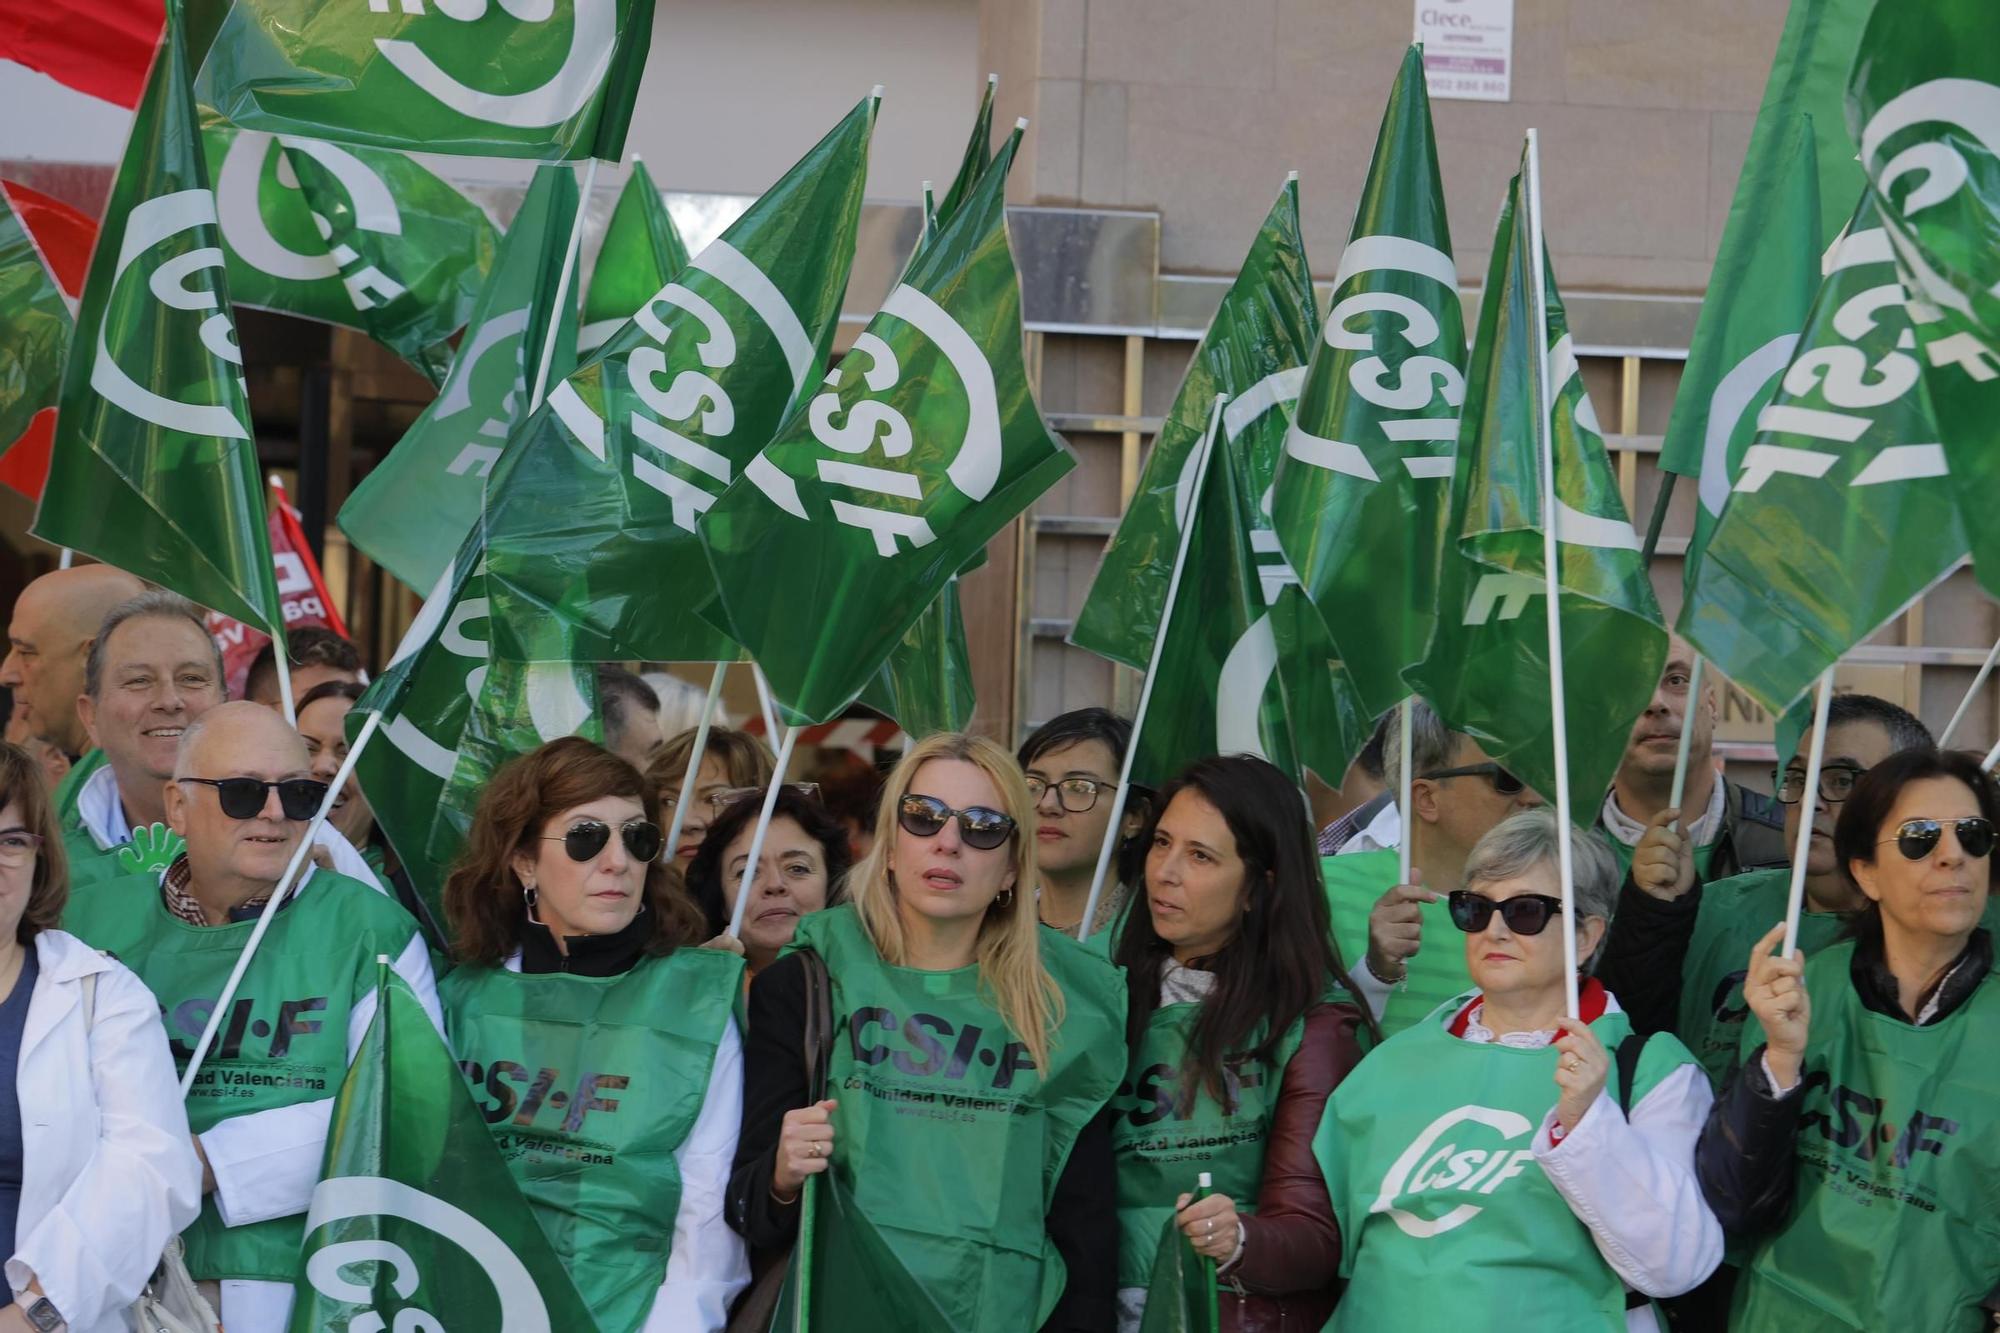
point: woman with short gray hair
(1505, 1142)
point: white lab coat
(108, 1170)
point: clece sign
(1468, 48)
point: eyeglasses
(980, 826)
(728, 796)
(1076, 795)
(1836, 783)
(1918, 838)
(243, 798)
(1504, 783)
(587, 837)
(18, 847)
(1524, 913)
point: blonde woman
(965, 1172)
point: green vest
(285, 1040)
(1447, 1220)
(1734, 914)
(149, 851)
(1895, 1219)
(1160, 1152)
(590, 1085)
(1437, 971)
(948, 1141)
(66, 791)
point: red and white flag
(301, 590)
(63, 237)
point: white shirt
(1384, 833)
(1629, 830)
(101, 807)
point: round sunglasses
(1918, 838)
(1524, 913)
(243, 798)
(979, 825)
(587, 837)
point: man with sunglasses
(1732, 828)
(240, 797)
(151, 671)
(1675, 957)
(1411, 959)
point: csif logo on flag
(722, 314)
(857, 417)
(340, 1198)
(429, 50)
(1452, 1158)
(163, 263)
(269, 227)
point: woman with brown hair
(598, 1041)
(97, 1167)
(965, 1163)
(730, 762)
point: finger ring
(1211, 1226)
(813, 1148)
(1571, 1064)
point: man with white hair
(240, 797)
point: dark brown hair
(704, 873)
(21, 781)
(1867, 808)
(744, 758)
(482, 898)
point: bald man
(55, 622)
(241, 795)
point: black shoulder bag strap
(1626, 1057)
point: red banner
(100, 47)
(301, 590)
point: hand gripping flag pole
(1113, 830)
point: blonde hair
(1008, 951)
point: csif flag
(1842, 511)
(544, 79)
(44, 254)
(590, 519)
(154, 468)
(360, 237)
(1487, 669)
(972, 167)
(1365, 481)
(520, 705)
(412, 512)
(1925, 109)
(416, 1219)
(301, 590)
(920, 446)
(641, 253)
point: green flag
(154, 468)
(1281, 704)
(359, 237)
(416, 1219)
(978, 157)
(1487, 670)
(925, 683)
(35, 329)
(823, 555)
(425, 697)
(590, 521)
(543, 79)
(641, 253)
(412, 512)
(1752, 312)
(1925, 107)
(519, 706)
(1842, 512)
(1365, 481)
(1775, 276)
(1181, 1294)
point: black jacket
(1082, 1220)
(1647, 948)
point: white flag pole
(1405, 750)
(1551, 572)
(1113, 830)
(764, 706)
(1971, 693)
(1815, 752)
(763, 827)
(1992, 759)
(695, 754)
(281, 653)
(1687, 738)
(276, 900)
(66, 559)
(563, 283)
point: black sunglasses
(1918, 838)
(980, 827)
(243, 798)
(587, 837)
(1524, 913)
(1505, 783)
